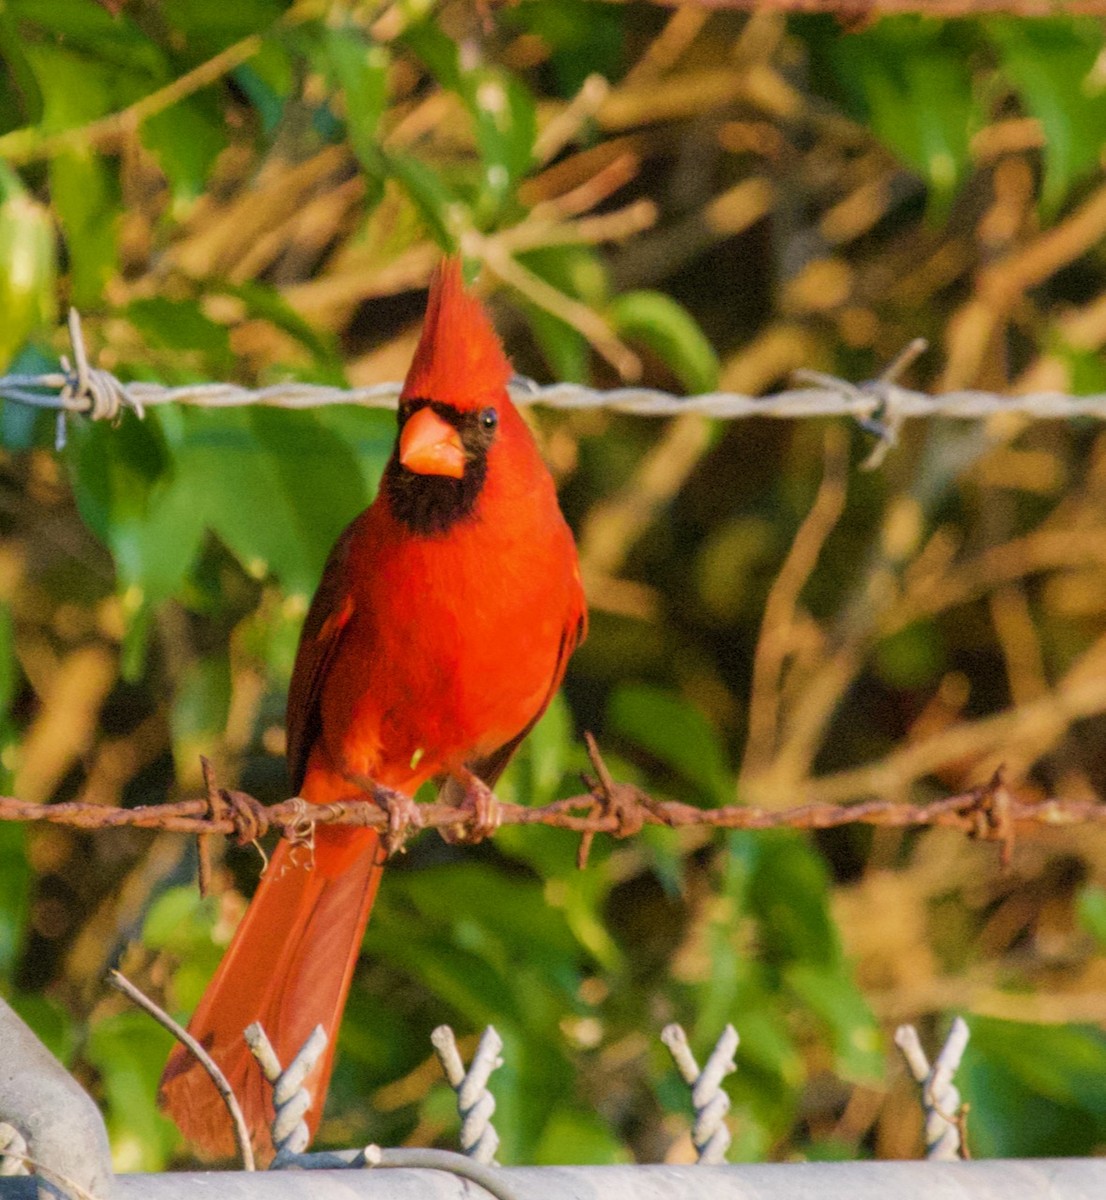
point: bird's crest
(459, 359)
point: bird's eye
(489, 418)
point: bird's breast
(453, 647)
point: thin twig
(70, 1186)
(241, 1132)
(777, 628)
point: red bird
(440, 631)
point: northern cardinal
(440, 631)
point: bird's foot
(404, 817)
(482, 810)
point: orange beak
(430, 446)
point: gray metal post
(996, 1179)
(59, 1123)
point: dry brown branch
(777, 630)
(241, 1133)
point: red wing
(326, 621)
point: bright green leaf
(1054, 65)
(676, 733)
(28, 256)
(671, 332)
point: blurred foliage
(257, 191)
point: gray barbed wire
(882, 403)
(709, 1133)
(291, 1099)
(940, 1096)
(475, 1104)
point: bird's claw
(483, 812)
(404, 818)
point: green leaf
(438, 205)
(86, 197)
(129, 1051)
(579, 1138)
(21, 425)
(52, 1024)
(439, 52)
(585, 37)
(671, 332)
(911, 80)
(186, 140)
(1053, 65)
(1034, 1089)
(501, 108)
(545, 753)
(20, 97)
(182, 326)
(676, 733)
(1091, 910)
(788, 892)
(360, 68)
(505, 117)
(577, 271)
(167, 915)
(278, 488)
(912, 657)
(833, 996)
(14, 896)
(28, 255)
(200, 707)
(266, 302)
(209, 26)
(131, 493)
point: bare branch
(241, 1132)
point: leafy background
(258, 191)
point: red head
(459, 360)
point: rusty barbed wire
(881, 403)
(990, 812)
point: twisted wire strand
(880, 404)
(940, 1096)
(291, 1100)
(475, 1104)
(709, 1132)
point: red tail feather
(288, 966)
